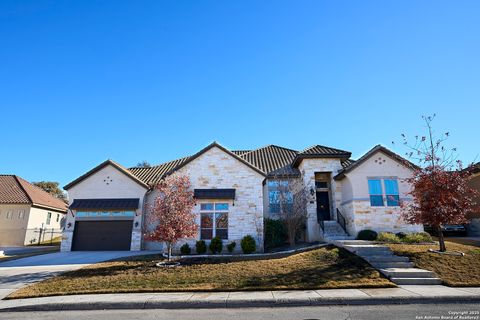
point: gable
(215, 162)
(106, 182)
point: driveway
(18, 273)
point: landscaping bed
(456, 271)
(327, 267)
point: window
(49, 217)
(9, 214)
(58, 217)
(390, 192)
(376, 194)
(21, 214)
(278, 193)
(213, 220)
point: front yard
(327, 267)
(453, 270)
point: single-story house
(473, 228)
(24, 210)
(234, 191)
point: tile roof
(272, 160)
(15, 190)
(323, 150)
(154, 174)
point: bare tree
(291, 196)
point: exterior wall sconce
(69, 225)
(136, 224)
(312, 192)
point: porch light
(312, 192)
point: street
(380, 312)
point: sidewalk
(177, 300)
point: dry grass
(327, 267)
(453, 270)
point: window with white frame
(49, 217)
(21, 214)
(58, 217)
(213, 220)
(9, 214)
(383, 190)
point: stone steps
(333, 231)
(417, 281)
(399, 269)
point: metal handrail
(321, 223)
(341, 221)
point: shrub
(367, 235)
(388, 237)
(400, 235)
(201, 247)
(248, 244)
(185, 249)
(417, 237)
(275, 233)
(231, 246)
(216, 245)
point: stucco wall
(308, 167)
(12, 231)
(217, 169)
(356, 203)
(108, 182)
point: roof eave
(300, 157)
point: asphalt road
(397, 312)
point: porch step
(399, 269)
(385, 258)
(391, 264)
(417, 281)
(407, 273)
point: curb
(222, 304)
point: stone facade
(308, 167)
(215, 169)
(355, 204)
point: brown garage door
(102, 235)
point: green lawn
(453, 270)
(327, 267)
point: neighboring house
(24, 209)
(473, 228)
(236, 190)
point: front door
(323, 205)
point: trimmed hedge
(367, 235)
(201, 247)
(185, 249)
(216, 245)
(388, 237)
(417, 237)
(231, 246)
(248, 244)
(275, 233)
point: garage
(111, 235)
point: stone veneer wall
(217, 169)
(356, 206)
(308, 167)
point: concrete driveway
(18, 273)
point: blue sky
(83, 81)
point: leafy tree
(171, 213)
(52, 188)
(144, 164)
(440, 191)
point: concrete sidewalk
(178, 300)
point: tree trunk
(441, 239)
(169, 244)
(292, 231)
